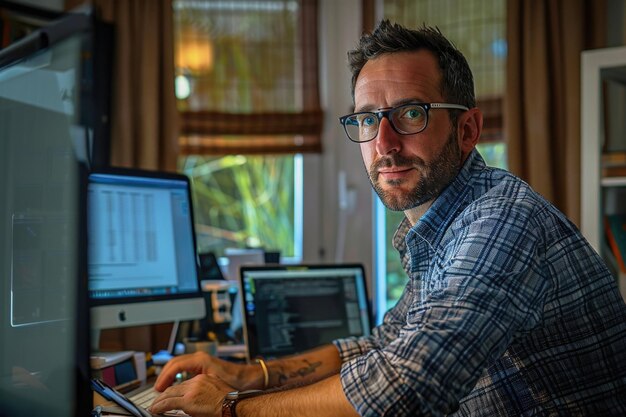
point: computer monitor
(46, 114)
(288, 309)
(238, 257)
(143, 264)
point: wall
(616, 19)
(57, 5)
(340, 27)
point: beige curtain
(144, 125)
(542, 100)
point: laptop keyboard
(145, 398)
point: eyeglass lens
(407, 119)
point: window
(247, 201)
(477, 28)
(246, 83)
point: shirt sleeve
(482, 286)
(383, 334)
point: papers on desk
(231, 351)
(100, 360)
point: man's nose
(388, 140)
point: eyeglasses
(407, 119)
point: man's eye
(368, 121)
(412, 114)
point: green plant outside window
(244, 202)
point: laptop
(289, 309)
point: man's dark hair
(457, 82)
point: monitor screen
(143, 265)
(44, 320)
(290, 309)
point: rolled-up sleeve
(382, 335)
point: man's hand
(200, 396)
(240, 376)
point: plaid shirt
(508, 312)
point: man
(508, 310)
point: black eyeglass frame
(379, 114)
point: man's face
(407, 170)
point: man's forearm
(321, 399)
(305, 368)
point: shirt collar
(399, 242)
(453, 199)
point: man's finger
(165, 402)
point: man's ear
(469, 127)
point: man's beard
(433, 176)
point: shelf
(601, 195)
(597, 66)
(613, 182)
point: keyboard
(145, 398)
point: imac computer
(48, 103)
(143, 264)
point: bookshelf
(603, 147)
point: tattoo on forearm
(310, 368)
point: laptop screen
(292, 308)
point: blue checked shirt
(508, 312)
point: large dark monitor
(143, 264)
(48, 133)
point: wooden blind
(261, 91)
